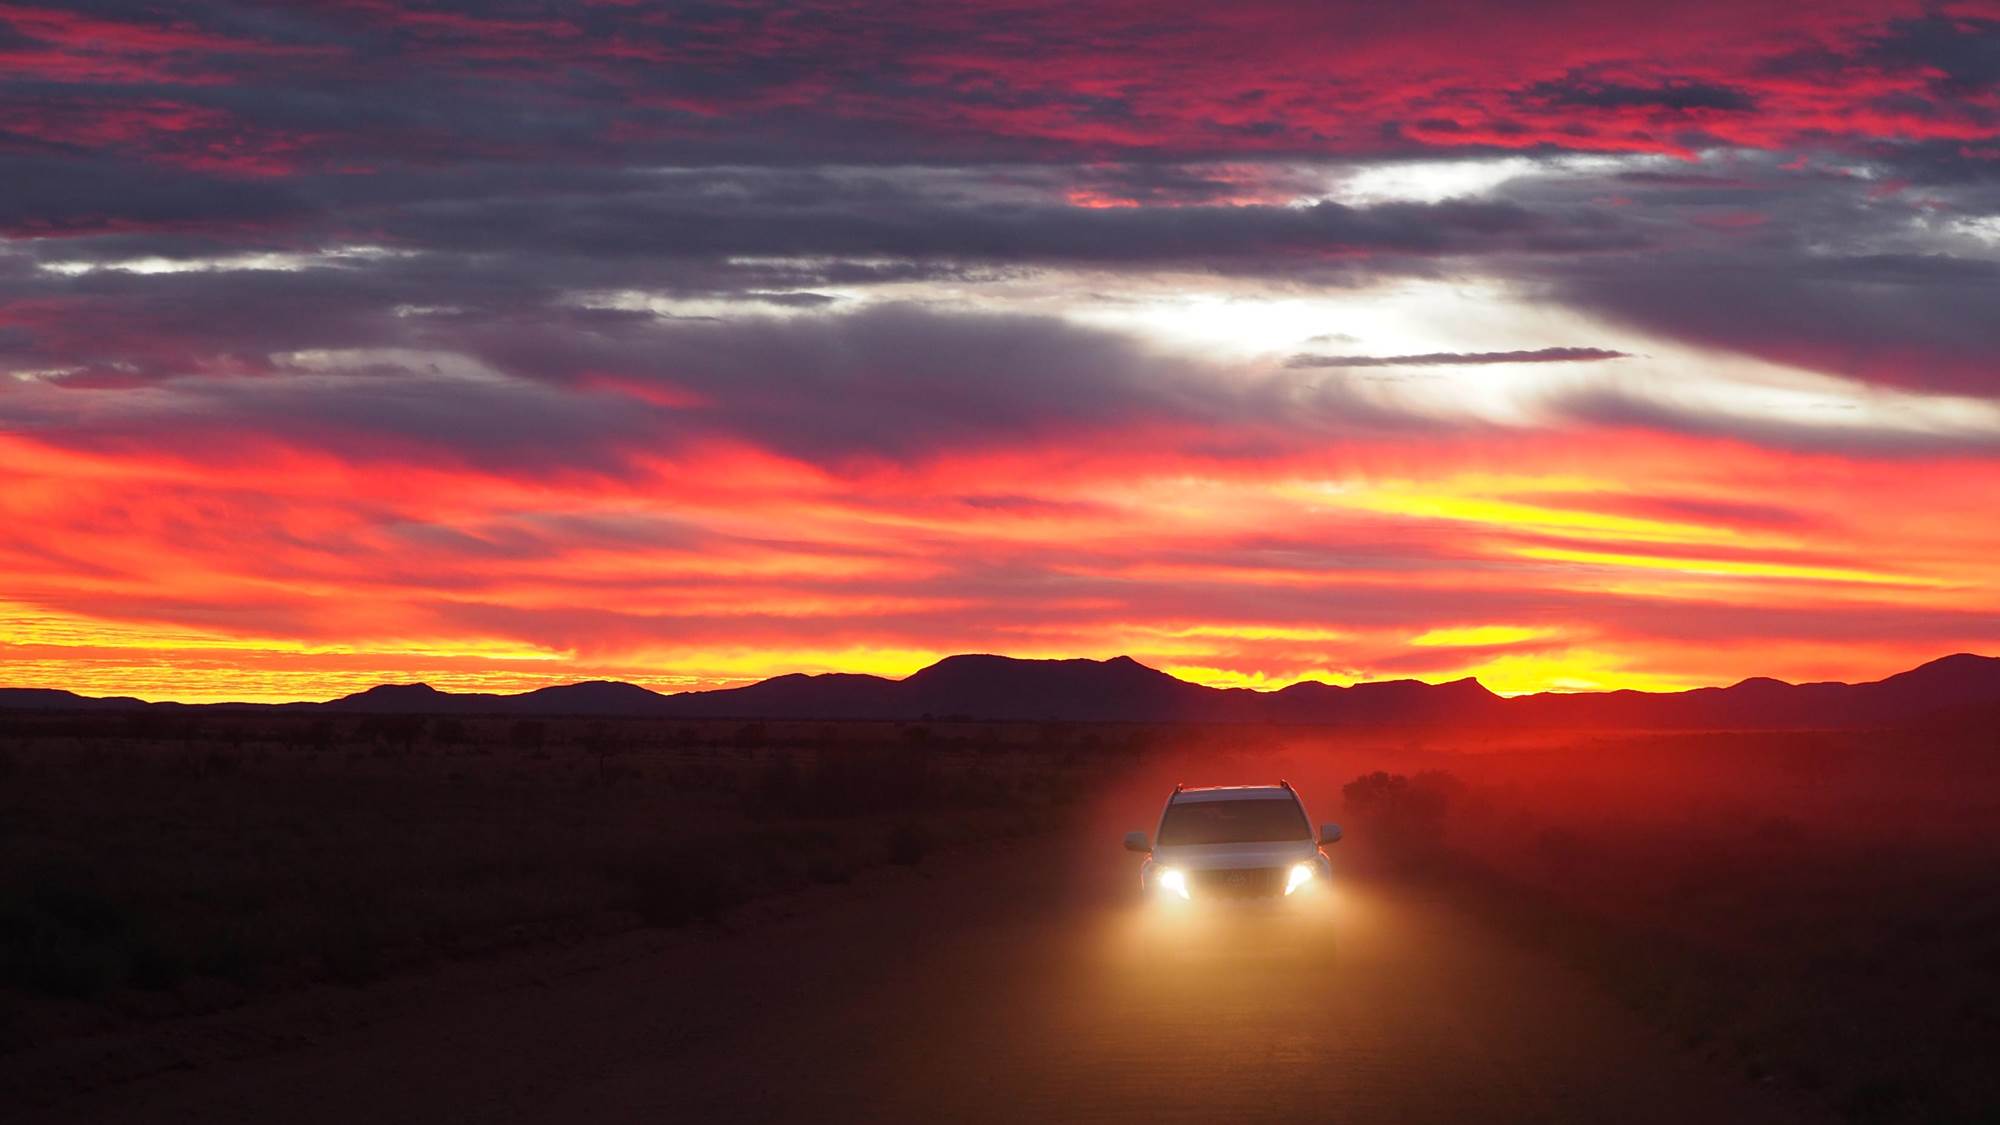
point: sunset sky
(1569, 345)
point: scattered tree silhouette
(853, 781)
(399, 732)
(601, 741)
(1407, 814)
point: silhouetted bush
(601, 741)
(1406, 814)
(397, 732)
(1424, 799)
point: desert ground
(286, 918)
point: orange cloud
(283, 575)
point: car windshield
(1250, 821)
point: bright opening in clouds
(1569, 348)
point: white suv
(1234, 842)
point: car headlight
(1299, 876)
(1173, 880)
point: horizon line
(998, 656)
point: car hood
(1202, 857)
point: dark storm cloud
(1917, 321)
(450, 257)
(1584, 92)
(902, 382)
(391, 415)
(740, 213)
(517, 164)
(592, 226)
(1841, 269)
(1457, 359)
(1960, 53)
(895, 383)
(46, 195)
(1831, 426)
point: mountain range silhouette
(984, 687)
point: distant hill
(54, 699)
(595, 697)
(1122, 689)
(1959, 681)
(1385, 702)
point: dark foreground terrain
(158, 867)
(1022, 986)
(380, 917)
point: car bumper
(1217, 891)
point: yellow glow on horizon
(1480, 636)
(25, 626)
(1255, 681)
(1525, 673)
(718, 668)
(195, 677)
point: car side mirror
(1136, 842)
(1329, 833)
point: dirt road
(1016, 986)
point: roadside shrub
(398, 733)
(1406, 814)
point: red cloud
(1114, 81)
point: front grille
(1236, 882)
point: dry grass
(149, 870)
